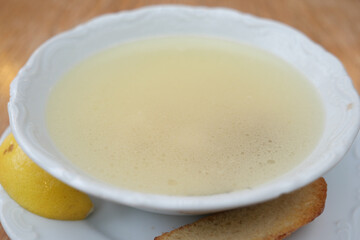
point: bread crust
(272, 220)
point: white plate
(339, 221)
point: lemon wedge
(36, 190)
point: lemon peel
(36, 190)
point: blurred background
(26, 24)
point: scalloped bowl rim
(177, 204)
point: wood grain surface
(25, 25)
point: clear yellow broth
(184, 116)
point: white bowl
(30, 89)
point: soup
(184, 116)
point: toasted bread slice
(272, 220)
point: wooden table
(24, 25)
